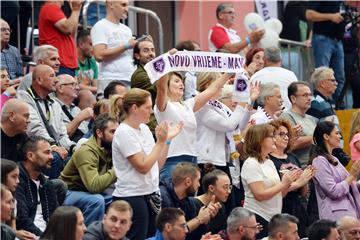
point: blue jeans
(91, 205)
(171, 162)
(330, 53)
(65, 70)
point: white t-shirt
(260, 116)
(253, 171)
(278, 75)
(39, 217)
(128, 141)
(121, 67)
(185, 142)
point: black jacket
(26, 197)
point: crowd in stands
(92, 149)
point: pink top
(4, 98)
(355, 153)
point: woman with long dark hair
(336, 192)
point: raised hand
(174, 129)
(254, 90)
(306, 175)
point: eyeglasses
(283, 134)
(305, 95)
(257, 226)
(73, 84)
(6, 29)
(333, 80)
(354, 232)
(230, 13)
(183, 226)
(227, 187)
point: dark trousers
(264, 232)
(143, 225)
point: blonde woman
(116, 107)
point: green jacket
(89, 169)
(141, 80)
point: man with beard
(35, 195)
(177, 191)
(76, 120)
(89, 173)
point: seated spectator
(336, 192)
(14, 123)
(285, 160)
(222, 36)
(116, 107)
(114, 87)
(66, 222)
(85, 99)
(241, 225)
(283, 226)
(300, 96)
(270, 102)
(57, 30)
(254, 61)
(274, 73)
(263, 188)
(355, 136)
(89, 172)
(10, 55)
(217, 188)
(115, 225)
(87, 72)
(44, 54)
(46, 118)
(75, 119)
(170, 224)
(7, 208)
(35, 195)
(323, 229)
(8, 91)
(349, 228)
(137, 159)
(176, 192)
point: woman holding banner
(169, 106)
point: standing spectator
(284, 161)
(87, 72)
(137, 159)
(270, 102)
(8, 91)
(171, 224)
(255, 61)
(112, 42)
(14, 122)
(349, 228)
(10, 55)
(170, 107)
(321, 107)
(46, 117)
(57, 30)
(274, 73)
(355, 136)
(35, 194)
(222, 36)
(44, 54)
(300, 96)
(262, 184)
(283, 226)
(328, 31)
(115, 225)
(336, 192)
(323, 229)
(67, 222)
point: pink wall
(195, 18)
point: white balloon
(270, 39)
(274, 24)
(253, 21)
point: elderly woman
(263, 188)
(270, 102)
(336, 192)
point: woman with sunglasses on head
(285, 161)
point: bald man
(14, 122)
(349, 228)
(46, 117)
(75, 119)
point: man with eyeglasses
(300, 95)
(114, 226)
(223, 37)
(349, 228)
(76, 120)
(10, 55)
(241, 225)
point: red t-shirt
(219, 36)
(49, 34)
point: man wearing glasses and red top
(223, 37)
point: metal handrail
(134, 9)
